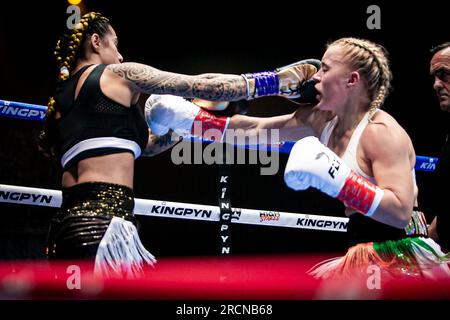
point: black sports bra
(93, 124)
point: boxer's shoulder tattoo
(217, 87)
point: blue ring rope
(27, 111)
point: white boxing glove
(164, 112)
(311, 164)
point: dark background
(216, 36)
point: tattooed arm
(149, 80)
(159, 144)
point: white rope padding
(179, 210)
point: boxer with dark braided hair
(96, 130)
(66, 53)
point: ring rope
(20, 110)
(180, 210)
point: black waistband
(108, 196)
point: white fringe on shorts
(121, 253)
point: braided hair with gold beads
(70, 47)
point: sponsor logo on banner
(236, 215)
(322, 224)
(25, 197)
(180, 211)
(6, 109)
(428, 166)
(269, 216)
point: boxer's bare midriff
(115, 168)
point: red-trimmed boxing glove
(164, 112)
(311, 164)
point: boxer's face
(440, 70)
(107, 48)
(332, 80)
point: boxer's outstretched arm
(285, 81)
(216, 87)
(164, 112)
(305, 121)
